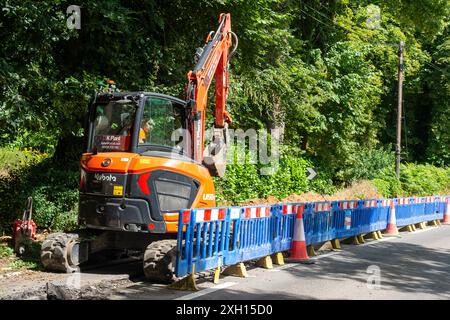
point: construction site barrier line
(209, 238)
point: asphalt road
(413, 266)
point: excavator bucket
(215, 157)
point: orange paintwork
(123, 162)
(214, 66)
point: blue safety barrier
(371, 216)
(253, 234)
(440, 207)
(383, 210)
(203, 242)
(418, 210)
(403, 212)
(211, 237)
(283, 225)
(346, 218)
(318, 222)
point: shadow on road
(403, 266)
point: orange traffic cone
(447, 212)
(391, 228)
(298, 250)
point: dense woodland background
(324, 71)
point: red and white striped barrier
(370, 204)
(289, 209)
(346, 205)
(403, 201)
(203, 215)
(386, 202)
(257, 212)
(235, 213)
(322, 207)
(430, 199)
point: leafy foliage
(324, 72)
(416, 180)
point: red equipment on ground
(24, 229)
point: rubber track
(159, 261)
(54, 252)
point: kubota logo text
(104, 177)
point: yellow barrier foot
(432, 223)
(413, 226)
(336, 244)
(355, 240)
(373, 235)
(380, 235)
(326, 246)
(237, 270)
(419, 225)
(311, 251)
(438, 222)
(217, 273)
(187, 283)
(277, 258)
(361, 239)
(424, 225)
(265, 262)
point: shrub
(368, 164)
(53, 186)
(415, 180)
(244, 182)
(422, 180)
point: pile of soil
(358, 191)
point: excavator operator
(144, 131)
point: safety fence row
(226, 236)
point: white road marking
(206, 291)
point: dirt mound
(360, 190)
(307, 197)
(255, 202)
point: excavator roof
(103, 97)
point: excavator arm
(212, 61)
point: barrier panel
(283, 226)
(418, 209)
(346, 218)
(252, 234)
(440, 208)
(403, 212)
(212, 237)
(318, 222)
(376, 214)
(203, 243)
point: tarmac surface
(415, 265)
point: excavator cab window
(162, 120)
(113, 126)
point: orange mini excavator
(144, 161)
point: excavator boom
(213, 61)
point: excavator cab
(137, 171)
(136, 122)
